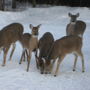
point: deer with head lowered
(29, 43)
(75, 27)
(62, 47)
(44, 46)
(8, 36)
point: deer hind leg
(24, 55)
(82, 57)
(75, 61)
(13, 49)
(5, 54)
(58, 64)
(28, 60)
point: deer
(62, 47)
(44, 46)
(75, 27)
(29, 43)
(8, 36)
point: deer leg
(14, 45)
(82, 57)
(52, 65)
(36, 59)
(22, 56)
(58, 64)
(5, 55)
(75, 61)
(28, 59)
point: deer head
(35, 29)
(73, 17)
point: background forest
(14, 3)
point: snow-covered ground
(53, 19)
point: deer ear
(69, 14)
(39, 26)
(77, 14)
(31, 26)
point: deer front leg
(24, 55)
(21, 57)
(52, 65)
(28, 60)
(36, 59)
(5, 55)
(13, 49)
(58, 64)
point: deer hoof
(41, 72)
(27, 70)
(49, 72)
(3, 65)
(55, 75)
(83, 71)
(19, 62)
(74, 70)
(46, 73)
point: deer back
(45, 43)
(10, 34)
(65, 45)
(25, 39)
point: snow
(53, 19)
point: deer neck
(34, 37)
(33, 42)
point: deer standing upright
(29, 43)
(75, 27)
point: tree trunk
(13, 4)
(34, 3)
(2, 5)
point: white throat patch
(73, 23)
(35, 36)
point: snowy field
(53, 19)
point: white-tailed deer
(8, 36)
(75, 27)
(45, 44)
(30, 43)
(62, 47)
